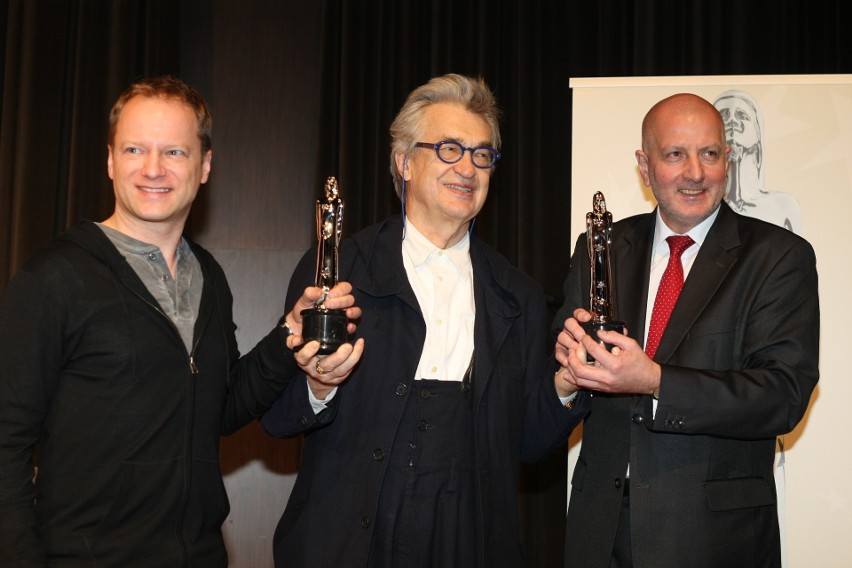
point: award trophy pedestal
(326, 326)
(593, 327)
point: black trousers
(428, 514)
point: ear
(642, 160)
(402, 165)
(205, 165)
(109, 161)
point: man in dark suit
(414, 461)
(676, 465)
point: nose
(694, 170)
(153, 166)
(465, 167)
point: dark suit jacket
(328, 520)
(739, 362)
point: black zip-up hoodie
(126, 422)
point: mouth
(460, 188)
(691, 192)
(154, 189)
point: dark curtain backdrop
(65, 61)
(304, 90)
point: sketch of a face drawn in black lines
(747, 192)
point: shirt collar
(698, 232)
(419, 249)
(128, 245)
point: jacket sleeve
(547, 423)
(257, 378)
(31, 348)
(292, 413)
(770, 356)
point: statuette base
(326, 326)
(593, 327)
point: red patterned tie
(670, 286)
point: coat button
(424, 393)
(637, 419)
(303, 420)
(422, 425)
(378, 454)
(401, 389)
(617, 483)
(365, 522)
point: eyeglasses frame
(437, 148)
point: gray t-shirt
(179, 297)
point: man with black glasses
(414, 462)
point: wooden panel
(256, 214)
(259, 470)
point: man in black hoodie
(118, 361)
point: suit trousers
(622, 555)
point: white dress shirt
(442, 280)
(660, 258)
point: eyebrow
(457, 140)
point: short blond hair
(169, 88)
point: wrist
(658, 380)
(288, 331)
(318, 390)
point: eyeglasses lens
(452, 152)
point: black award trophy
(599, 237)
(319, 323)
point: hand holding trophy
(601, 305)
(319, 323)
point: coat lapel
(385, 274)
(495, 314)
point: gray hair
(473, 94)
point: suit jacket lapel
(712, 265)
(631, 267)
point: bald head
(684, 159)
(680, 107)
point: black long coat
(328, 520)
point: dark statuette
(319, 323)
(601, 290)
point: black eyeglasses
(450, 152)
